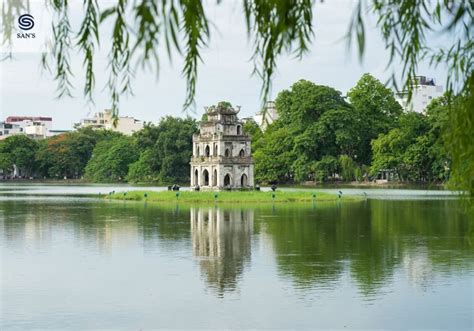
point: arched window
(197, 151)
(205, 177)
(214, 178)
(239, 130)
(227, 180)
(243, 180)
(196, 178)
(207, 151)
(215, 149)
(227, 152)
(242, 153)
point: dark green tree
(66, 155)
(165, 151)
(274, 27)
(111, 159)
(20, 151)
(377, 112)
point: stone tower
(221, 151)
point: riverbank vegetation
(320, 136)
(232, 196)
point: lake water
(401, 259)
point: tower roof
(224, 108)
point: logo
(26, 22)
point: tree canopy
(140, 29)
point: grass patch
(230, 197)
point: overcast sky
(224, 75)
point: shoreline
(240, 197)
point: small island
(232, 196)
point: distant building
(105, 120)
(424, 90)
(9, 129)
(267, 116)
(35, 127)
(221, 151)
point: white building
(105, 120)
(9, 129)
(25, 121)
(221, 151)
(267, 116)
(35, 127)
(424, 90)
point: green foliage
(305, 102)
(141, 171)
(414, 150)
(377, 112)
(275, 27)
(325, 168)
(275, 156)
(348, 168)
(459, 137)
(19, 150)
(111, 159)
(6, 163)
(314, 122)
(253, 130)
(165, 151)
(66, 155)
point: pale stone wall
(222, 154)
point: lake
(400, 259)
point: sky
(225, 73)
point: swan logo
(26, 22)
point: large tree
(414, 150)
(66, 155)
(377, 109)
(19, 151)
(314, 121)
(111, 160)
(165, 149)
(141, 28)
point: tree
(408, 150)
(348, 168)
(275, 27)
(165, 151)
(6, 163)
(19, 151)
(315, 121)
(111, 159)
(325, 168)
(377, 112)
(275, 156)
(66, 155)
(305, 102)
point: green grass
(230, 197)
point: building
(222, 151)
(105, 120)
(25, 121)
(424, 90)
(35, 127)
(9, 129)
(267, 116)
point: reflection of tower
(222, 241)
(419, 268)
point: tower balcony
(222, 159)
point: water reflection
(222, 263)
(222, 243)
